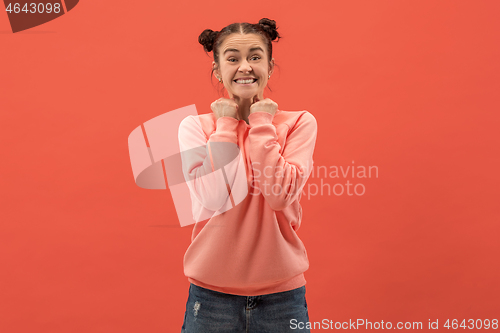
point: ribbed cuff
(260, 118)
(227, 124)
(226, 130)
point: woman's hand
(266, 105)
(225, 107)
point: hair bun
(269, 26)
(207, 38)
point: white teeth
(245, 81)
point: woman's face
(244, 56)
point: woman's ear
(216, 70)
(271, 66)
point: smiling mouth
(246, 82)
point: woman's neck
(244, 106)
(244, 109)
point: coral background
(409, 87)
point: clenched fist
(266, 105)
(225, 107)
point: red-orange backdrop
(410, 88)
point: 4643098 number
(34, 8)
(472, 324)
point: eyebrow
(252, 49)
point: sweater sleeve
(281, 177)
(209, 166)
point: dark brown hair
(211, 40)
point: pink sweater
(251, 248)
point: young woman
(246, 263)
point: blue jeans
(209, 311)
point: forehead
(243, 43)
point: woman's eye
(254, 57)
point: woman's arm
(281, 177)
(209, 167)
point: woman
(245, 263)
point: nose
(245, 66)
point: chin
(247, 94)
